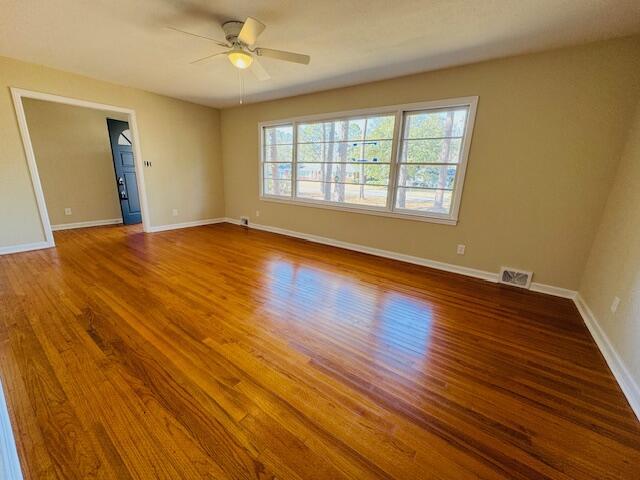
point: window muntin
(369, 163)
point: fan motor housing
(232, 30)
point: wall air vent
(517, 278)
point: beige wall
(548, 131)
(613, 268)
(73, 154)
(180, 138)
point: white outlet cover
(174, 212)
(257, 213)
(460, 250)
(67, 211)
(614, 304)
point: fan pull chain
(241, 78)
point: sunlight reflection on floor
(323, 301)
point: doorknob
(120, 181)
(123, 195)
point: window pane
(278, 171)
(313, 132)
(425, 176)
(380, 128)
(331, 131)
(378, 151)
(433, 201)
(281, 134)
(312, 152)
(431, 151)
(278, 153)
(277, 187)
(371, 195)
(344, 173)
(329, 152)
(356, 129)
(125, 138)
(435, 123)
(314, 190)
(377, 128)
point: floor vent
(517, 278)
(244, 221)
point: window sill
(381, 212)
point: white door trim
(18, 94)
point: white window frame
(389, 210)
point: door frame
(17, 95)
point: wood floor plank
(226, 353)
(63, 433)
(31, 443)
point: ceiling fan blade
(258, 70)
(251, 30)
(282, 55)
(206, 58)
(218, 42)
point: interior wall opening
(84, 162)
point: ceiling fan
(241, 39)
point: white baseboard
(24, 247)
(196, 223)
(616, 364)
(425, 262)
(9, 463)
(551, 290)
(90, 223)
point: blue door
(125, 168)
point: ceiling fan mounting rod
(232, 30)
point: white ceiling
(350, 41)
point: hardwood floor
(218, 352)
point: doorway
(139, 203)
(125, 170)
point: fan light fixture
(241, 49)
(240, 59)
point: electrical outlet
(257, 213)
(174, 212)
(614, 304)
(460, 250)
(67, 211)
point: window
(277, 155)
(125, 138)
(345, 161)
(405, 161)
(429, 159)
